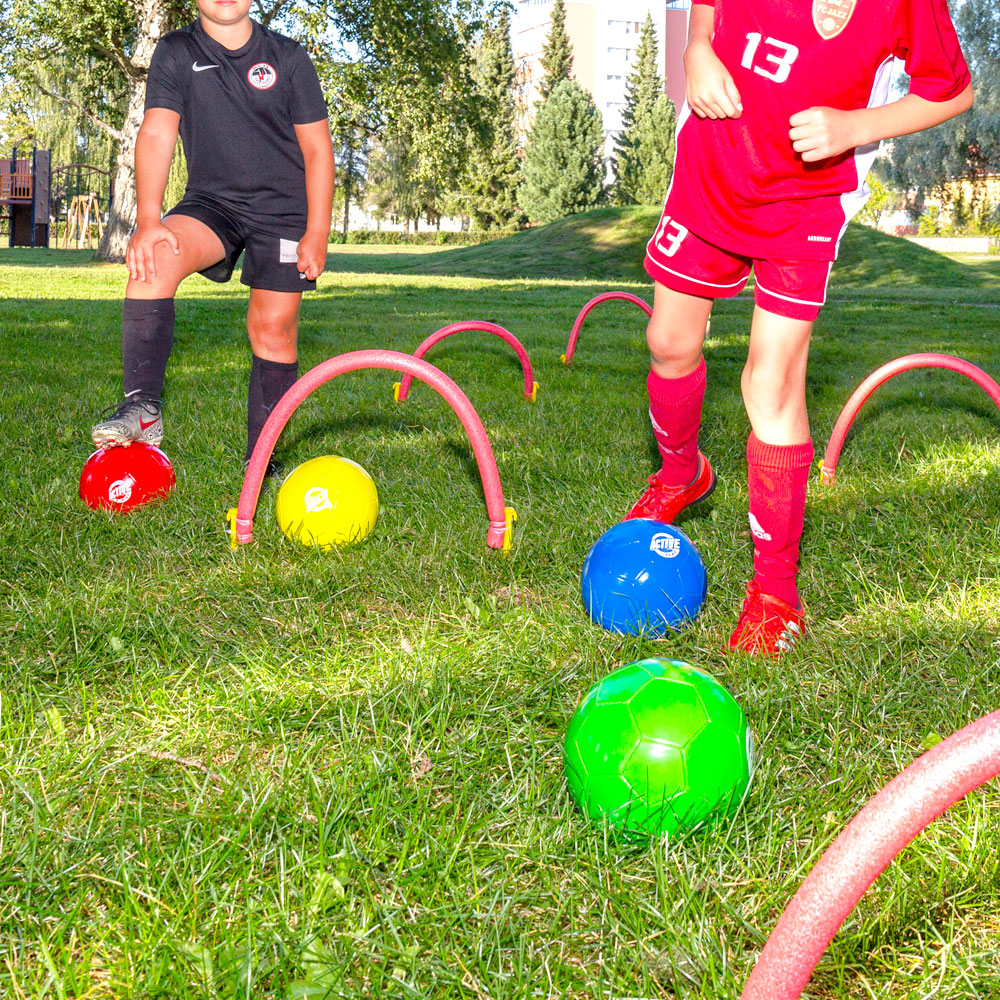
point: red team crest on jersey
(831, 16)
(262, 76)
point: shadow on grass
(43, 257)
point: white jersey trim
(700, 281)
(851, 202)
(790, 298)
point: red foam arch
(596, 300)
(894, 817)
(501, 517)
(530, 385)
(828, 467)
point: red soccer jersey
(737, 181)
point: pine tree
(644, 149)
(494, 172)
(653, 154)
(564, 163)
(557, 53)
(644, 84)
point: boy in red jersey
(249, 109)
(789, 102)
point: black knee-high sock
(147, 337)
(269, 381)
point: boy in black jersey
(248, 106)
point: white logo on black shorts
(262, 76)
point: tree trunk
(152, 25)
(348, 173)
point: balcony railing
(15, 186)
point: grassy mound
(608, 244)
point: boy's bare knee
(272, 338)
(767, 392)
(673, 350)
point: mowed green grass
(278, 772)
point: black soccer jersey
(238, 110)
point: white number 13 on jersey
(781, 59)
(672, 239)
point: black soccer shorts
(269, 262)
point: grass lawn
(282, 773)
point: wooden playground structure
(25, 191)
(74, 197)
(78, 187)
(83, 209)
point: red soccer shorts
(679, 259)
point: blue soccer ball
(643, 576)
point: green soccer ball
(658, 746)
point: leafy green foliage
(563, 164)
(967, 146)
(881, 200)
(557, 53)
(386, 68)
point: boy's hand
(819, 133)
(312, 255)
(139, 257)
(711, 90)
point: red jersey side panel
(737, 182)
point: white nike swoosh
(201, 69)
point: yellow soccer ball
(327, 501)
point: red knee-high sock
(675, 413)
(777, 477)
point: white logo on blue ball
(664, 544)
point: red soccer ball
(121, 479)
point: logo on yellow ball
(327, 501)
(317, 499)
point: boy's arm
(317, 151)
(819, 133)
(154, 149)
(711, 91)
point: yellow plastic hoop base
(231, 524)
(510, 516)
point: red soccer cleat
(767, 626)
(664, 503)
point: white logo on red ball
(665, 545)
(121, 489)
(262, 76)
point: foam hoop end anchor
(231, 525)
(240, 528)
(532, 397)
(510, 516)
